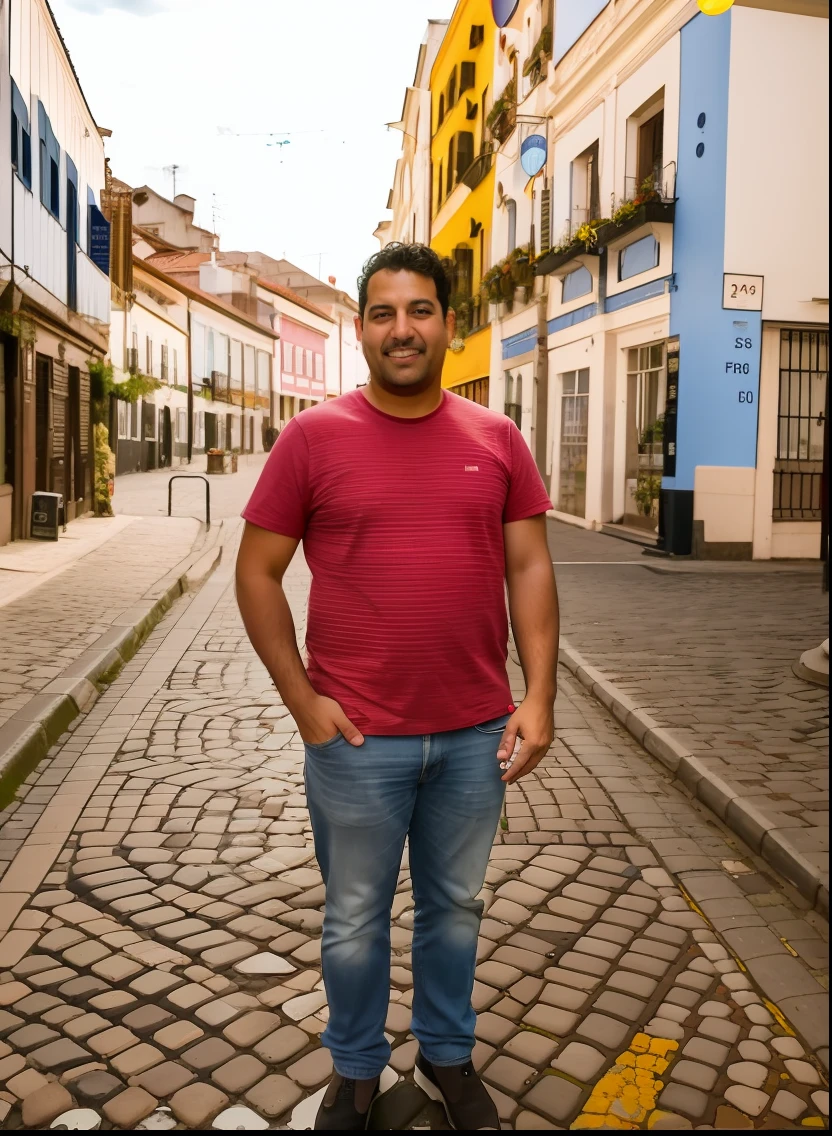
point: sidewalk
(162, 910)
(696, 660)
(74, 611)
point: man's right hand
(320, 719)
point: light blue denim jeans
(443, 792)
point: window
(319, 366)
(476, 36)
(574, 430)
(467, 76)
(148, 355)
(198, 352)
(514, 398)
(798, 468)
(148, 421)
(463, 273)
(440, 113)
(73, 223)
(122, 412)
(264, 379)
(451, 92)
(181, 424)
(135, 434)
(511, 212)
(50, 164)
(646, 391)
(249, 369)
(440, 192)
(464, 152)
(308, 368)
(577, 283)
(164, 372)
(650, 146)
(586, 198)
(221, 353)
(236, 365)
(21, 138)
(175, 367)
(288, 357)
(803, 368)
(638, 257)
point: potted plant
(646, 205)
(646, 492)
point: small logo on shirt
(472, 469)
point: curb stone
(26, 738)
(738, 814)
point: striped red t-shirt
(402, 528)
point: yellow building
(462, 186)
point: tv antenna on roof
(172, 171)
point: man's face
(404, 334)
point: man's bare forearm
(268, 621)
(535, 621)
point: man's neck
(404, 406)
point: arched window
(440, 117)
(511, 210)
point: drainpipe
(190, 451)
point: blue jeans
(444, 793)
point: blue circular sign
(503, 10)
(533, 154)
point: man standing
(415, 508)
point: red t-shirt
(402, 527)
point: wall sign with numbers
(742, 293)
(671, 408)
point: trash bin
(46, 515)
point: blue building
(686, 277)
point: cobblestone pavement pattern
(708, 654)
(46, 629)
(161, 909)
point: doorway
(74, 459)
(165, 437)
(43, 392)
(574, 436)
(646, 397)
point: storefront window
(574, 432)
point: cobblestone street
(160, 914)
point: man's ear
(359, 327)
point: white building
(688, 340)
(520, 223)
(410, 195)
(53, 268)
(149, 336)
(345, 365)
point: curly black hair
(398, 257)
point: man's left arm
(533, 607)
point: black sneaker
(346, 1104)
(466, 1100)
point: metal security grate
(798, 468)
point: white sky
(164, 75)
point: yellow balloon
(714, 7)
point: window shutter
(467, 76)
(545, 220)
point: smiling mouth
(404, 353)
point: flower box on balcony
(555, 259)
(658, 211)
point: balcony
(502, 117)
(478, 170)
(653, 200)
